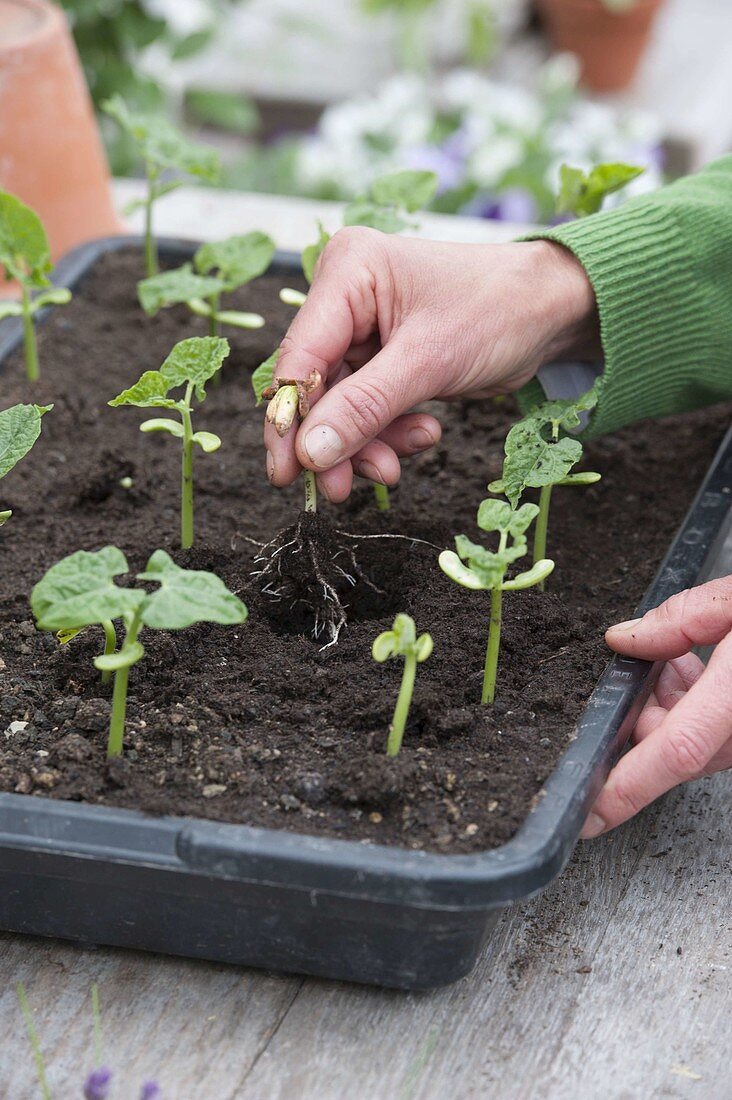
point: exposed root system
(312, 565)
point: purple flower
(151, 1091)
(516, 205)
(437, 159)
(96, 1086)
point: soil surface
(258, 724)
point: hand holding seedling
(25, 256)
(191, 363)
(20, 427)
(80, 591)
(163, 150)
(685, 728)
(220, 267)
(485, 570)
(402, 641)
(390, 322)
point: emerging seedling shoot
(536, 457)
(25, 257)
(191, 363)
(484, 570)
(387, 206)
(288, 402)
(402, 641)
(163, 150)
(219, 267)
(80, 591)
(20, 427)
(582, 193)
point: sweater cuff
(637, 263)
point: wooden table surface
(615, 984)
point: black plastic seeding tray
(284, 901)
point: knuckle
(348, 240)
(366, 408)
(628, 797)
(685, 754)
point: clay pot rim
(597, 5)
(50, 17)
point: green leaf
(150, 391)
(572, 182)
(423, 647)
(56, 296)
(367, 213)
(522, 519)
(10, 309)
(494, 515)
(538, 573)
(534, 461)
(162, 424)
(411, 189)
(63, 637)
(451, 565)
(20, 426)
(187, 596)
(263, 376)
(583, 193)
(191, 44)
(565, 413)
(489, 567)
(124, 658)
(24, 251)
(384, 647)
(5, 516)
(195, 360)
(80, 590)
(207, 441)
(312, 252)
(237, 260)
(230, 111)
(172, 287)
(161, 145)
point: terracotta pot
(608, 44)
(51, 154)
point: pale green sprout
(484, 570)
(162, 149)
(220, 267)
(25, 257)
(80, 591)
(288, 401)
(386, 207)
(402, 641)
(582, 193)
(20, 426)
(191, 363)
(537, 458)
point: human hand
(685, 728)
(390, 322)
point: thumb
(697, 616)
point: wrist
(567, 306)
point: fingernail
(419, 439)
(323, 445)
(627, 625)
(368, 470)
(593, 826)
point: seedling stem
(381, 494)
(401, 710)
(311, 491)
(132, 651)
(110, 644)
(151, 247)
(29, 338)
(493, 648)
(186, 511)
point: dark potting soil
(257, 724)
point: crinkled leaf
(196, 360)
(311, 253)
(237, 260)
(494, 515)
(565, 413)
(187, 596)
(522, 519)
(24, 251)
(365, 212)
(411, 189)
(534, 461)
(489, 567)
(20, 426)
(264, 374)
(161, 144)
(79, 590)
(172, 287)
(150, 391)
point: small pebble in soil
(212, 790)
(375, 818)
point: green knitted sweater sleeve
(661, 269)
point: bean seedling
(583, 193)
(163, 150)
(220, 267)
(80, 591)
(484, 570)
(402, 641)
(191, 363)
(25, 256)
(386, 207)
(20, 427)
(536, 457)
